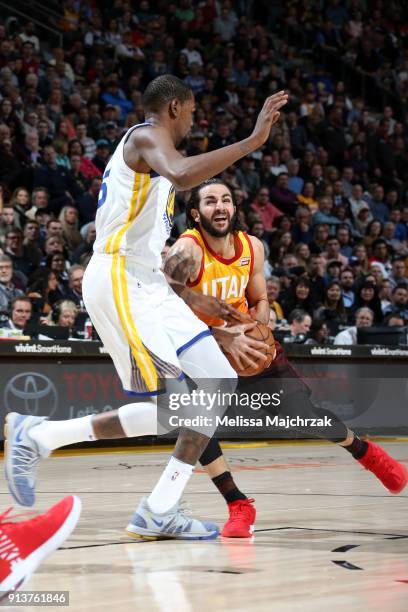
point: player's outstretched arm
(157, 149)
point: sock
(357, 448)
(53, 434)
(227, 487)
(170, 487)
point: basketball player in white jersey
(148, 330)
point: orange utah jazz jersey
(225, 279)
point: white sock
(53, 434)
(170, 487)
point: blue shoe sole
(152, 538)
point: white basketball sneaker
(21, 456)
(173, 524)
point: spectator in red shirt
(267, 211)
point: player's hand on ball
(216, 309)
(245, 350)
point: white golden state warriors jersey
(135, 211)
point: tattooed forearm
(180, 266)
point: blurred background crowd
(327, 194)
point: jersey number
(104, 189)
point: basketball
(262, 333)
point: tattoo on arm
(180, 266)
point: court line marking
(333, 531)
(224, 445)
(191, 493)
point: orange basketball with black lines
(263, 333)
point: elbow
(180, 178)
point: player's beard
(210, 229)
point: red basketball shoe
(391, 472)
(25, 544)
(241, 520)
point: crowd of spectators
(327, 194)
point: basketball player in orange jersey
(214, 258)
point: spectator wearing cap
(8, 290)
(88, 202)
(267, 211)
(102, 154)
(399, 302)
(364, 317)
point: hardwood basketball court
(328, 535)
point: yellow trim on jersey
(121, 297)
(120, 292)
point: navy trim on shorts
(143, 393)
(206, 332)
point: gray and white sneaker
(21, 456)
(173, 524)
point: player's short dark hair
(162, 90)
(194, 202)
